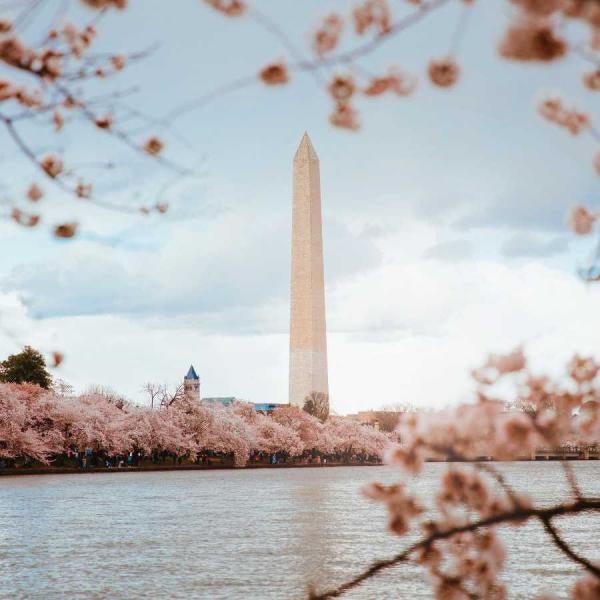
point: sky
(445, 233)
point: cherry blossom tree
(273, 437)
(269, 435)
(307, 427)
(26, 426)
(93, 421)
(346, 436)
(158, 431)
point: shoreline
(219, 467)
(77, 471)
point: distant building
(191, 384)
(366, 417)
(191, 387)
(267, 407)
(225, 401)
(264, 407)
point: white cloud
(450, 250)
(527, 245)
(236, 264)
(400, 333)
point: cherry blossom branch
(118, 134)
(58, 63)
(302, 65)
(81, 74)
(458, 434)
(271, 27)
(536, 33)
(422, 11)
(516, 515)
(20, 142)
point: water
(244, 534)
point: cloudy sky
(444, 218)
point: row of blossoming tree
(42, 426)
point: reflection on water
(243, 534)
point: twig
(23, 19)
(205, 99)
(461, 27)
(566, 549)
(582, 52)
(311, 65)
(500, 479)
(118, 134)
(271, 27)
(56, 180)
(572, 479)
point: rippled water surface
(244, 534)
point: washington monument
(308, 340)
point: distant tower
(308, 342)
(191, 384)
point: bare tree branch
(572, 479)
(566, 549)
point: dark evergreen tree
(28, 366)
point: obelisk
(308, 340)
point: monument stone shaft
(308, 341)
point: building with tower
(191, 384)
(191, 388)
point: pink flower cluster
(395, 81)
(532, 40)
(373, 14)
(536, 32)
(327, 36)
(230, 8)
(572, 119)
(581, 220)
